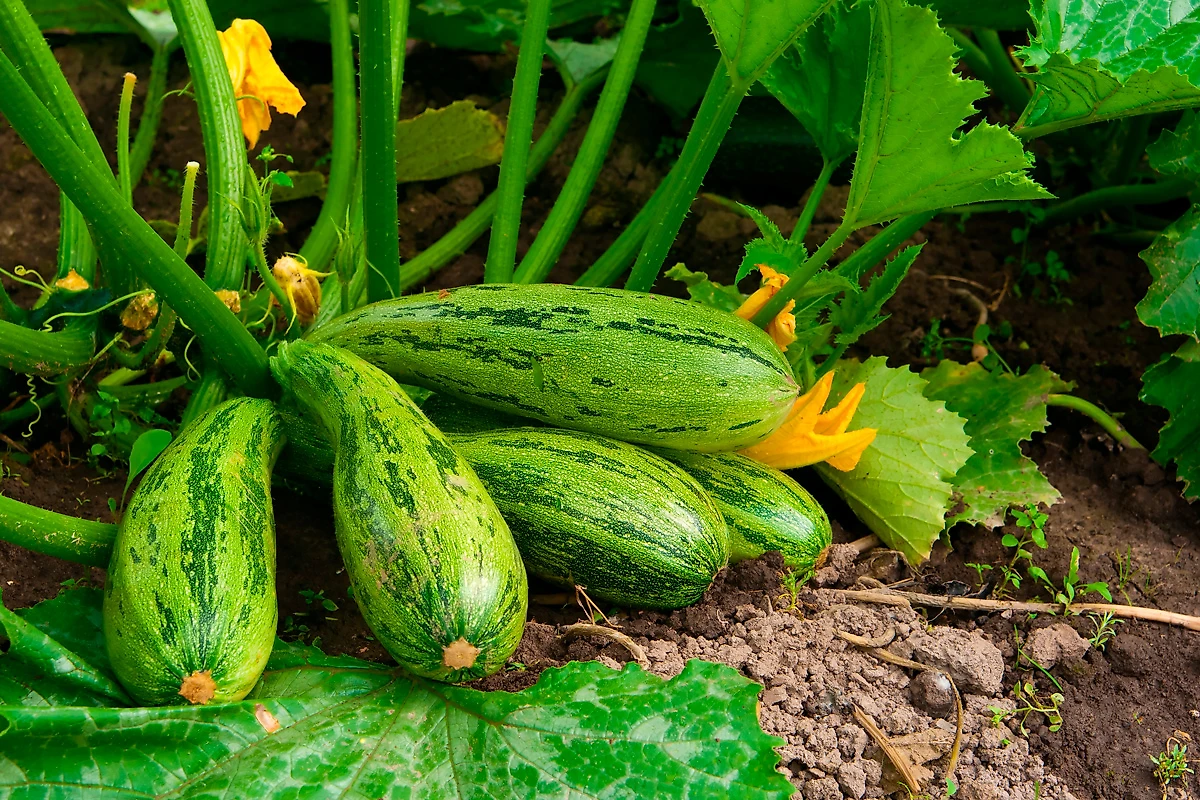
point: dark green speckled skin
(628, 526)
(430, 558)
(191, 584)
(637, 367)
(765, 509)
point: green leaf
(706, 292)
(297, 186)
(678, 60)
(772, 249)
(1002, 410)
(911, 155)
(822, 77)
(284, 19)
(902, 485)
(347, 728)
(1105, 59)
(579, 60)
(1177, 152)
(145, 449)
(445, 141)
(753, 33)
(1172, 303)
(858, 313)
(1172, 383)
(40, 670)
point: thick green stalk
(502, 249)
(466, 232)
(187, 202)
(22, 41)
(52, 534)
(93, 191)
(621, 253)
(323, 239)
(399, 13)
(1113, 196)
(123, 113)
(224, 148)
(563, 218)
(45, 353)
(1097, 415)
(147, 132)
(30, 408)
(713, 118)
(877, 248)
(380, 198)
(814, 199)
(210, 391)
(1008, 85)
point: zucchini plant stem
(802, 275)
(45, 353)
(464, 234)
(51, 534)
(94, 192)
(1114, 196)
(1008, 85)
(152, 106)
(318, 248)
(564, 216)
(713, 118)
(814, 199)
(502, 248)
(123, 113)
(1097, 415)
(224, 147)
(379, 193)
(621, 253)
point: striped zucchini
(637, 367)
(765, 510)
(613, 518)
(189, 604)
(434, 568)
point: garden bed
(1120, 706)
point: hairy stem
(502, 249)
(147, 132)
(814, 199)
(1097, 415)
(45, 353)
(322, 241)
(52, 534)
(379, 192)
(713, 118)
(801, 276)
(1007, 84)
(123, 114)
(563, 218)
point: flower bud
(301, 285)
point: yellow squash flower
(257, 80)
(783, 328)
(810, 437)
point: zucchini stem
(379, 193)
(1098, 415)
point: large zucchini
(621, 522)
(189, 604)
(433, 565)
(637, 367)
(765, 509)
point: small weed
(295, 630)
(319, 600)
(1071, 588)
(515, 666)
(980, 569)
(1033, 533)
(1104, 628)
(1171, 764)
(1126, 570)
(1030, 701)
(792, 582)
(76, 583)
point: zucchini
(189, 604)
(637, 367)
(434, 568)
(623, 523)
(765, 510)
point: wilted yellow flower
(810, 437)
(257, 80)
(231, 298)
(301, 285)
(782, 329)
(72, 282)
(140, 313)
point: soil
(1120, 705)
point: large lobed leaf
(322, 726)
(1177, 152)
(1105, 59)
(911, 156)
(1002, 410)
(902, 486)
(1172, 383)
(753, 33)
(821, 78)
(1172, 303)
(678, 60)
